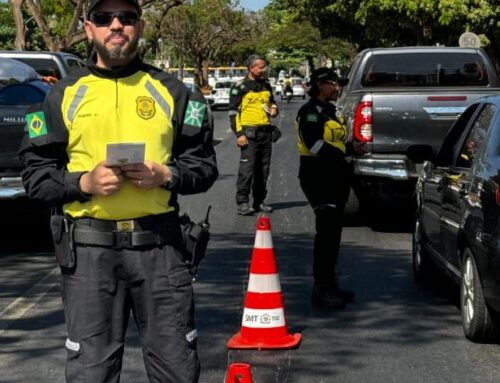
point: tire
(478, 323)
(422, 268)
(352, 205)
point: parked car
(48, 64)
(20, 87)
(219, 96)
(398, 97)
(457, 226)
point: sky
(253, 5)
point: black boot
(327, 297)
(346, 294)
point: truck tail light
(362, 125)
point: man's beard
(117, 55)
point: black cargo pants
(255, 162)
(326, 187)
(98, 296)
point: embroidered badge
(36, 124)
(311, 117)
(234, 91)
(145, 107)
(195, 113)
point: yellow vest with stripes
(98, 111)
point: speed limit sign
(469, 40)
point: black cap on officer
(94, 3)
(321, 75)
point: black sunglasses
(104, 19)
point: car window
(296, 81)
(430, 69)
(223, 85)
(476, 137)
(445, 154)
(44, 67)
(72, 63)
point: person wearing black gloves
(251, 106)
(110, 149)
(325, 178)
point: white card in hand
(125, 153)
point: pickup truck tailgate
(404, 119)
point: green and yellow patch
(36, 124)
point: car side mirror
(213, 91)
(420, 153)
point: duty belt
(114, 234)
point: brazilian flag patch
(195, 114)
(312, 117)
(36, 124)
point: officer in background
(251, 106)
(117, 236)
(325, 178)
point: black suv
(457, 221)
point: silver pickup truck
(398, 97)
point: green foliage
(7, 27)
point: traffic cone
(239, 373)
(263, 325)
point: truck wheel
(352, 206)
(477, 322)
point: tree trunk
(20, 41)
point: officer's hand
(242, 141)
(148, 175)
(102, 180)
(273, 111)
(359, 148)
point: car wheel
(420, 256)
(477, 321)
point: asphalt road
(395, 331)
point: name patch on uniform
(145, 107)
(311, 117)
(36, 124)
(195, 114)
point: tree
(369, 23)
(59, 22)
(201, 29)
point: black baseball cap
(327, 74)
(95, 3)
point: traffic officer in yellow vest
(325, 178)
(251, 106)
(115, 220)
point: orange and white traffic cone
(239, 373)
(263, 324)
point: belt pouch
(59, 226)
(251, 132)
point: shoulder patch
(312, 117)
(36, 124)
(234, 91)
(195, 113)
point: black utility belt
(115, 239)
(260, 128)
(123, 233)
